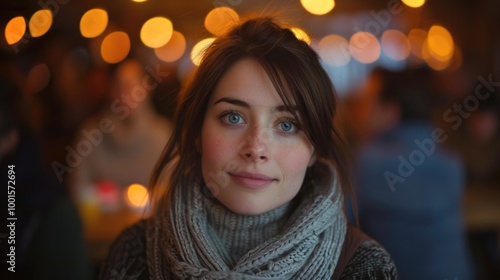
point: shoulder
(370, 261)
(127, 255)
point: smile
(251, 180)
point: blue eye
(231, 118)
(288, 127)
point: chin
(248, 208)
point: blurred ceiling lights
(318, 7)
(93, 23)
(40, 22)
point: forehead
(248, 81)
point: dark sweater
(127, 259)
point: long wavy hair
(296, 73)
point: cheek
(215, 148)
(294, 162)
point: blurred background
(88, 90)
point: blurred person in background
(126, 138)
(480, 145)
(48, 241)
(115, 150)
(410, 188)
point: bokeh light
(115, 47)
(173, 50)
(301, 34)
(417, 37)
(318, 7)
(137, 195)
(431, 60)
(413, 3)
(334, 50)
(93, 23)
(40, 22)
(440, 43)
(156, 32)
(14, 30)
(395, 45)
(219, 20)
(364, 47)
(108, 194)
(199, 49)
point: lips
(252, 180)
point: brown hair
(299, 79)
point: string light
(137, 195)
(199, 49)
(115, 47)
(318, 7)
(219, 20)
(413, 3)
(156, 32)
(93, 23)
(334, 50)
(173, 50)
(14, 30)
(364, 47)
(40, 22)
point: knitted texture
(127, 259)
(359, 268)
(199, 238)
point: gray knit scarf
(185, 244)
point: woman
(257, 170)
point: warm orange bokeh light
(115, 47)
(137, 195)
(199, 49)
(301, 34)
(431, 60)
(40, 22)
(173, 50)
(219, 20)
(318, 7)
(156, 32)
(395, 44)
(364, 47)
(440, 43)
(334, 50)
(417, 37)
(93, 23)
(15, 29)
(413, 3)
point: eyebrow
(241, 103)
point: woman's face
(254, 155)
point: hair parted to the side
(299, 79)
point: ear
(312, 161)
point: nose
(254, 147)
